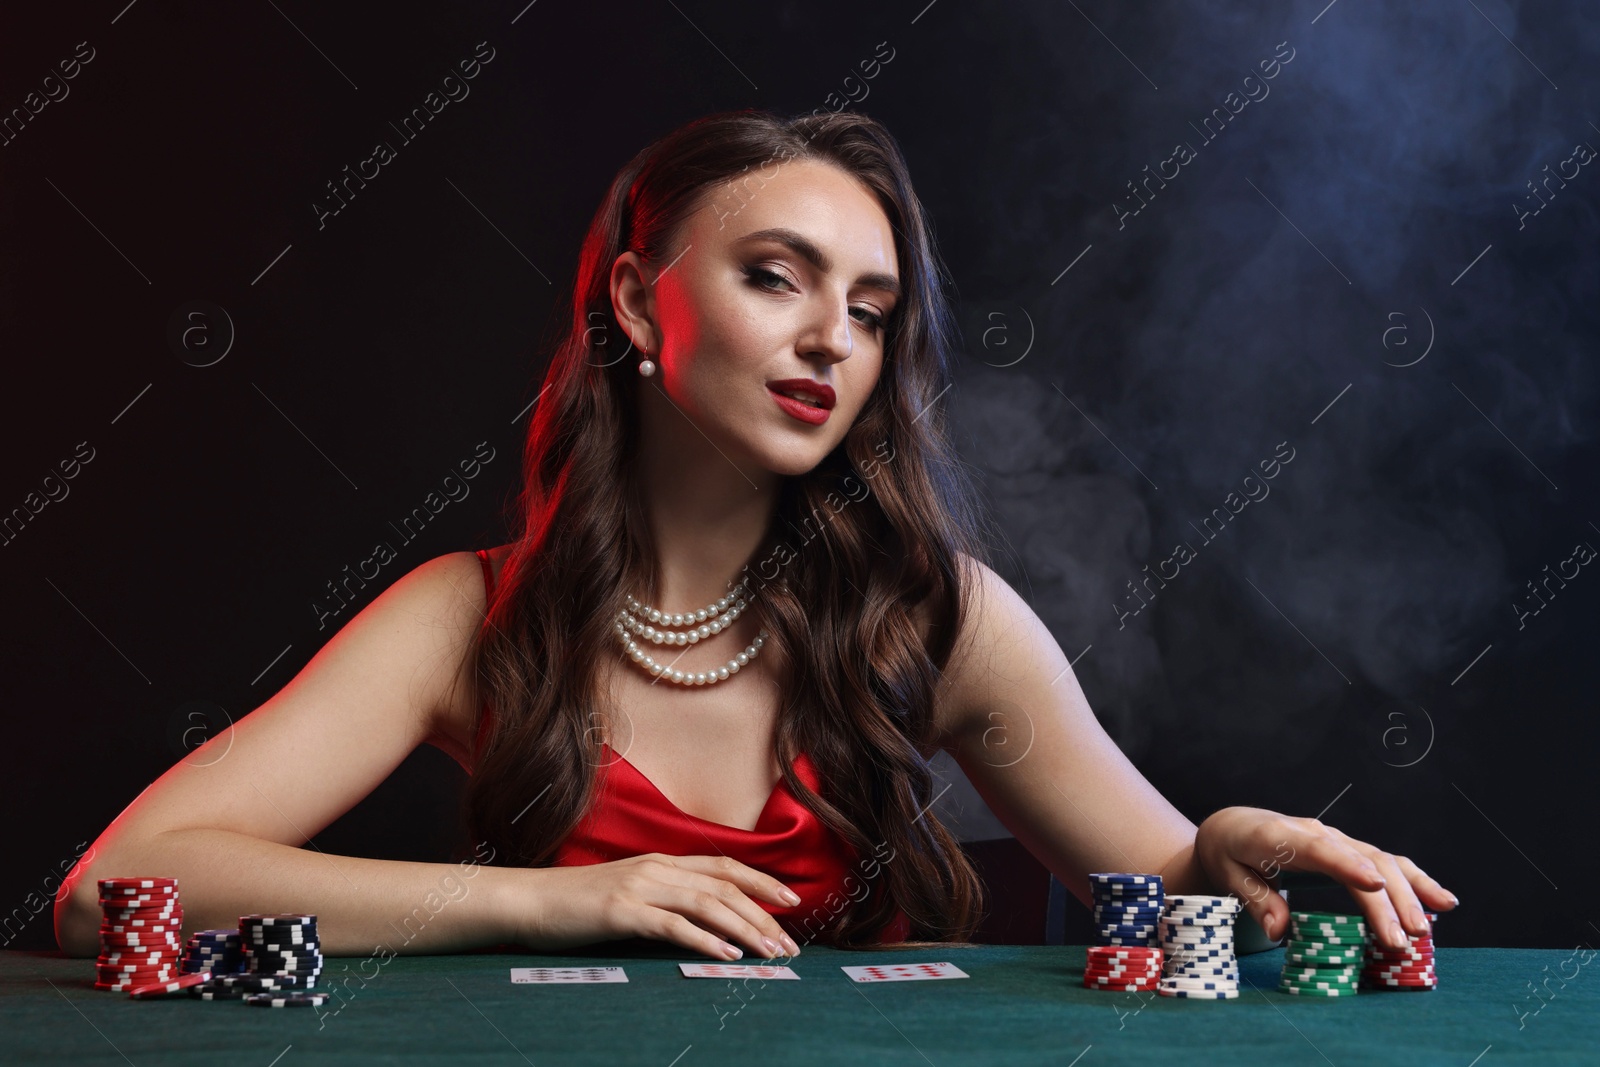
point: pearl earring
(646, 368)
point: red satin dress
(629, 816)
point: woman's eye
(768, 281)
(763, 279)
(873, 319)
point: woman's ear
(633, 300)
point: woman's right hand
(700, 902)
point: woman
(746, 415)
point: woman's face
(791, 279)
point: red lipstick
(808, 401)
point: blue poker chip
(1126, 931)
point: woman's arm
(1012, 714)
(228, 821)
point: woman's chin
(789, 459)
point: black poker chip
(261, 983)
(213, 991)
(286, 999)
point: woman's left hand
(1243, 849)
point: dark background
(1348, 645)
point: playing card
(904, 972)
(728, 970)
(540, 975)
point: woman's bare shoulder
(460, 575)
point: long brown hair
(883, 522)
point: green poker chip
(1319, 952)
(1307, 918)
(1301, 991)
(1328, 940)
(1301, 977)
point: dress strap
(488, 571)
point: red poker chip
(136, 968)
(116, 895)
(165, 989)
(1135, 987)
(123, 943)
(1395, 984)
(1121, 970)
(140, 900)
(143, 912)
(133, 981)
(134, 943)
(173, 919)
(1400, 975)
(149, 959)
(135, 883)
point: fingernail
(733, 952)
(1455, 900)
(771, 946)
(794, 949)
(1422, 919)
(789, 896)
(1398, 936)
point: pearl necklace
(729, 608)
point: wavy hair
(840, 607)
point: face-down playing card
(543, 975)
(904, 972)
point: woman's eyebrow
(805, 247)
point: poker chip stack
(1126, 908)
(282, 949)
(282, 959)
(1197, 942)
(140, 932)
(1122, 969)
(1324, 954)
(1405, 968)
(217, 951)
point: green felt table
(1021, 1005)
